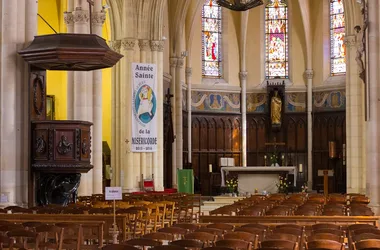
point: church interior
(221, 124)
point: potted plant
(232, 184)
(282, 184)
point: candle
(300, 169)
(283, 156)
(210, 168)
(265, 157)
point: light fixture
(239, 5)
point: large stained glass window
(211, 39)
(276, 39)
(338, 48)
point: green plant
(282, 184)
(304, 188)
(273, 159)
(232, 184)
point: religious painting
(215, 102)
(50, 107)
(337, 34)
(211, 39)
(256, 102)
(276, 39)
(295, 102)
(329, 101)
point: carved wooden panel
(329, 126)
(214, 136)
(37, 95)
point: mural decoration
(329, 100)
(256, 102)
(215, 102)
(295, 102)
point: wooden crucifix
(275, 144)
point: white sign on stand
(113, 193)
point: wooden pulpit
(326, 173)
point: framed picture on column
(50, 107)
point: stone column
(157, 48)
(188, 72)
(81, 111)
(173, 65)
(124, 119)
(373, 123)
(178, 113)
(69, 21)
(98, 19)
(144, 161)
(243, 84)
(115, 148)
(309, 73)
(355, 128)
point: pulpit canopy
(71, 52)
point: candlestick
(210, 168)
(300, 168)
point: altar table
(260, 178)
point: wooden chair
(337, 232)
(279, 244)
(159, 236)
(364, 236)
(367, 244)
(302, 228)
(253, 238)
(23, 239)
(51, 236)
(177, 232)
(221, 226)
(72, 235)
(168, 247)
(325, 236)
(359, 226)
(325, 226)
(119, 247)
(217, 248)
(188, 226)
(213, 231)
(259, 226)
(143, 242)
(325, 244)
(234, 243)
(251, 230)
(192, 244)
(208, 239)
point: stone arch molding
(140, 19)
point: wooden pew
(300, 220)
(105, 221)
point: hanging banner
(144, 106)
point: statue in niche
(276, 106)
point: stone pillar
(144, 161)
(81, 111)
(355, 128)
(188, 72)
(309, 73)
(98, 19)
(178, 113)
(173, 65)
(115, 148)
(69, 21)
(157, 48)
(243, 84)
(124, 119)
(373, 123)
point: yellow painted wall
(52, 12)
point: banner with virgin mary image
(144, 107)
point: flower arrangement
(304, 188)
(273, 159)
(232, 184)
(282, 184)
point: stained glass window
(276, 39)
(211, 39)
(337, 30)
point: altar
(260, 178)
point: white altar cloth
(265, 178)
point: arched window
(276, 40)
(211, 39)
(337, 30)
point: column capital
(81, 16)
(309, 73)
(157, 45)
(180, 62)
(144, 44)
(173, 61)
(128, 43)
(68, 18)
(243, 75)
(189, 71)
(115, 45)
(98, 18)
(350, 41)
